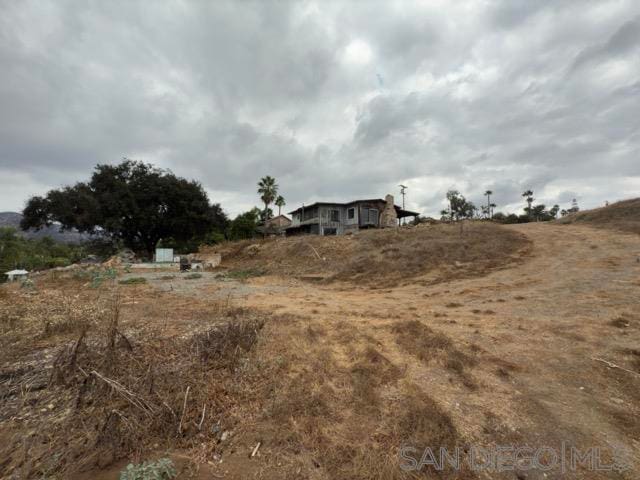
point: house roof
(341, 204)
(399, 210)
(278, 216)
(16, 272)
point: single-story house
(330, 218)
(16, 275)
(275, 225)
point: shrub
(99, 276)
(159, 470)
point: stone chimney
(388, 217)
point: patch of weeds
(423, 423)
(167, 277)
(373, 370)
(133, 281)
(623, 321)
(162, 469)
(420, 340)
(424, 343)
(224, 345)
(99, 276)
(81, 275)
(634, 353)
(244, 274)
(314, 332)
(301, 399)
(192, 276)
(457, 361)
(453, 305)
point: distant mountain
(12, 219)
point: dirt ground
(544, 353)
(535, 331)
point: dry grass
(224, 345)
(96, 394)
(427, 345)
(369, 373)
(623, 216)
(380, 256)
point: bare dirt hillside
(424, 254)
(271, 377)
(623, 216)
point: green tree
(268, 191)
(459, 207)
(245, 225)
(280, 203)
(34, 254)
(264, 215)
(134, 203)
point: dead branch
(255, 450)
(184, 407)
(613, 365)
(315, 251)
(131, 397)
(204, 409)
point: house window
(309, 213)
(334, 215)
(351, 213)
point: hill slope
(380, 257)
(623, 215)
(12, 219)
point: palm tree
(280, 203)
(268, 191)
(528, 194)
(488, 194)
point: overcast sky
(337, 100)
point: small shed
(16, 275)
(164, 255)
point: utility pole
(488, 194)
(402, 192)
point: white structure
(164, 255)
(17, 275)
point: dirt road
(534, 332)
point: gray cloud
(337, 100)
(624, 40)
